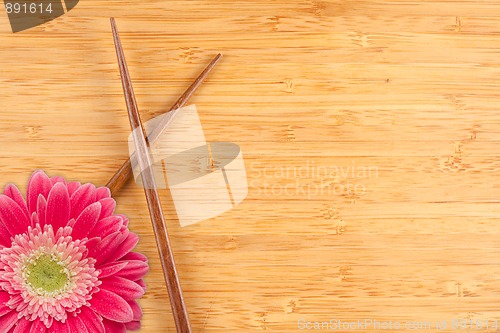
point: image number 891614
(26, 14)
(28, 8)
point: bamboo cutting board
(370, 136)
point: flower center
(46, 274)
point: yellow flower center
(46, 274)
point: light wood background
(370, 131)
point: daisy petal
(107, 246)
(102, 193)
(92, 246)
(57, 179)
(136, 309)
(106, 226)
(4, 298)
(13, 192)
(34, 220)
(58, 206)
(141, 283)
(108, 207)
(4, 236)
(111, 269)
(124, 288)
(12, 216)
(125, 247)
(83, 196)
(133, 326)
(38, 184)
(59, 327)
(134, 270)
(135, 256)
(38, 326)
(10, 319)
(41, 210)
(114, 327)
(86, 221)
(111, 306)
(22, 326)
(91, 320)
(72, 187)
(125, 219)
(76, 325)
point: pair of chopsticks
(124, 173)
(142, 141)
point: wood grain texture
(369, 131)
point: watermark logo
(308, 180)
(205, 179)
(28, 14)
(366, 324)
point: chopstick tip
(216, 59)
(113, 25)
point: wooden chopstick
(162, 241)
(125, 171)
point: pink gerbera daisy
(65, 260)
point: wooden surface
(370, 136)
